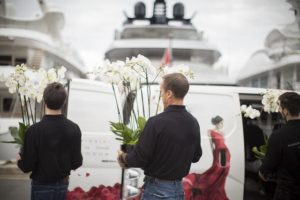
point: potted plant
(126, 135)
(270, 105)
(129, 78)
(132, 78)
(29, 85)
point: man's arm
(76, 153)
(142, 153)
(198, 152)
(28, 152)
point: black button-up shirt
(283, 155)
(168, 145)
(52, 148)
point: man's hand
(263, 177)
(121, 159)
(18, 157)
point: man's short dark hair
(177, 83)
(55, 96)
(291, 102)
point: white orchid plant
(29, 84)
(270, 100)
(129, 77)
(270, 105)
(249, 112)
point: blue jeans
(155, 189)
(49, 191)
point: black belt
(64, 180)
(153, 179)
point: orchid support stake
(148, 93)
(118, 109)
(142, 97)
(35, 109)
(26, 110)
(22, 109)
(31, 113)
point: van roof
(224, 88)
(194, 86)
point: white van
(92, 105)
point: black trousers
(287, 191)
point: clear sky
(236, 27)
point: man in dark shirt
(283, 155)
(52, 148)
(168, 145)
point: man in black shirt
(168, 145)
(283, 155)
(52, 148)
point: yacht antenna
(159, 12)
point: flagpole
(167, 56)
(170, 48)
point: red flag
(167, 58)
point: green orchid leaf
(118, 134)
(133, 142)
(117, 125)
(13, 131)
(22, 131)
(266, 140)
(9, 142)
(263, 148)
(136, 134)
(126, 134)
(18, 134)
(19, 141)
(258, 154)
(141, 123)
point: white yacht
(278, 64)
(153, 36)
(30, 33)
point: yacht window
(255, 82)
(298, 73)
(160, 32)
(288, 79)
(19, 61)
(264, 82)
(7, 104)
(5, 60)
(278, 80)
(204, 56)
